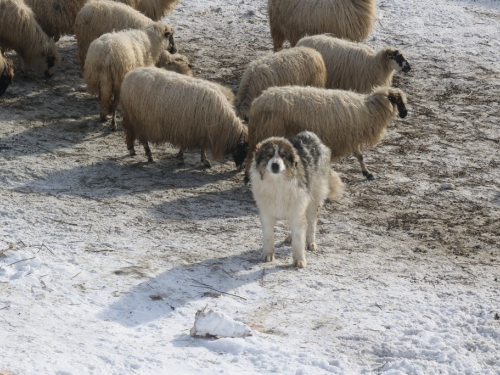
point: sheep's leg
(298, 227)
(204, 159)
(129, 140)
(278, 38)
(365, 171)
(251, 150)
(20, 58)
(148, 152)
(114, 106)
(312, 219)
(268, 222)
(105, 102)
(180, 157)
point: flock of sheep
(327, 83)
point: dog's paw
(312, 246)
(299, 263)
(288, 238)
(267, 257)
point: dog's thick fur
(291, 178)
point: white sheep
(56, 17)
(296, 66)
(160, 106)
(355, 66)
(97, 18)
(6, 72)
(293, 19)
(113, 55)
(154, 9)
(344, 120)
(20, 32)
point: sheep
(297, 66)
(180, 64)
(56, 17)
(112, 55)
(101, 17)
(354, 66)
(344, 120)
(175, 62)
(154, 9)
(20, 32)
(160, 106)
(293, 19)
(6, 72)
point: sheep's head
(176, 63)
(397, 61)
(7, 75)
(398, 98)
(51, 61)
(240, 151)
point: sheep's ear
(167, 34)
(191, 66)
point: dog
(291, 178)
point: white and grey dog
(291, 178)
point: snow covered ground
(105, 259)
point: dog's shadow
(161, 295)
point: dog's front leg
(298, 227)
(312, 219)
(268, 223)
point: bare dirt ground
(68, 182)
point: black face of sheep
(398, 57)
(51, 61)
(172, 47)
(398, 101)
(240, 154)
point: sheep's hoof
(112, 127)
(246, 180)
(132, 153)
(368, 175)
(103, 118)
(150, 160)
(207, 165)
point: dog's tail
(335, 184)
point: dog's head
(276, 156)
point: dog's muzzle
(275, 167)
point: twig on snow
(211, 287)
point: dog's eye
(282, 155)
(270, 155)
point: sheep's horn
(402, 110)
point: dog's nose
(275, 167)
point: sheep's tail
(335, 184)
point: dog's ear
(257, 148)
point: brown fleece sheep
(20, 32)
(293, 19)
(355, 66)
(113, 55)
(56, 17)
(160, 106)
(293, 67)
(101, 17)
(344, 120)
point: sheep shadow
(111, 178)
(231, 203)
(42, 139)
(159, 296)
